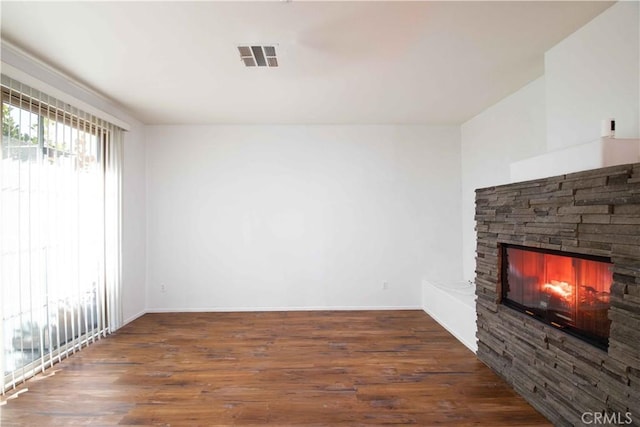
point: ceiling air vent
(258, 56)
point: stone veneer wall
(594, 212)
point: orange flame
(562, 289)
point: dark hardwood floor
(278, 368)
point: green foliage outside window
(12, 129)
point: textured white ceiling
(340, 62)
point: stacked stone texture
(594, 212)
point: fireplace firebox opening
(566, 290)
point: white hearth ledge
(453, 306)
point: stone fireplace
(574, 366)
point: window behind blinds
(60, 230)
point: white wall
(593, 75)
(511, 130)
(24, 68)
(268, 217)
(134, 224)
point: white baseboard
(304, 308)
(134, 317)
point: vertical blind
(60, 179)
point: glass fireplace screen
(569, 291)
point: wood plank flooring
(277, 368)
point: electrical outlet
(385, 286)
(162, 288)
